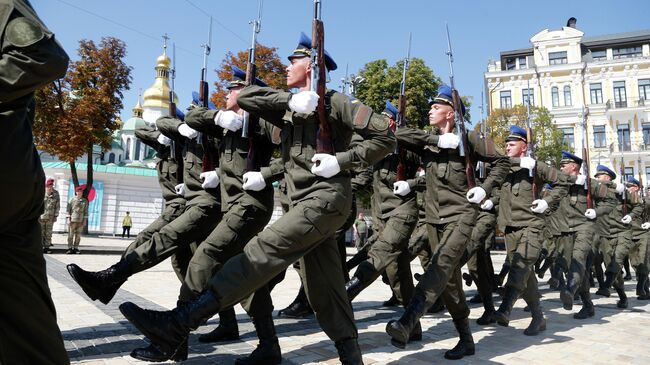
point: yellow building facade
(603, 80)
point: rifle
(624, 195)
(174, 155)
(459, 120)
(208, 158)
(318, 79)
(480, 165)
(401, 111)
(248, 125)
(641, 191)
(585, 158)
(530, 151)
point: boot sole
(176, 358)
(128, 310)
(541, 328)
(397, 339)
(580, 316)
(467, 353)
(567, 300)
(500, 320)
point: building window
(600, 55)
(511, 64)
(557, 58)
(111, 158)
(627, 52)
(527, 96)
(569, 139)
(644, 90)
(567, 95)
(506, 99)
(629, 173)
(646, 133)
(523, 64)
(136, 155)
(600, 139)
(596, 92)
(620, 97)
(624, 137)
(555, 96)
(127, 153)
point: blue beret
(604, 170)
(390, 110)
(570, 157)
(304, 50)
(517, 134)
(239, 78)
(631, 180)
(548, 186)
(196, 101)
(444, 96)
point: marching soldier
(30, 57)
(451, 209)
(639, 252)
(320, 194)
(77, 218)
(50, 213)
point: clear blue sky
(357, 31)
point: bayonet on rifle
(249, 123)
(401, 113)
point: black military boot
(268, 350)
(168, 330)
(103, 284)
(349, 351)
(151, 353)
(587, 310)
(620, 290)
(476, 299)
(299, 308)
(227, 330)
(502, 315)
(465, 345)
(392, 302)
(609, 279)
(538, 323)
(646, 289)
(568, 293)
(363, 277)
(488, 314)
(437, 307)
(400, 331)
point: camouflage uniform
(48, 218)
(77, 216)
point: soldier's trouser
(419, 244)
(239, 224)
(305, 232)
(524, 245)
(565, 251)
(392, 245)
(638, 253)
(621, 251)
(582, 251)
(398, 272)
(46, 232)
(182, 257)
(28, 330)
(479, 263)
(442, 277)
(74, 234)
(193, 225)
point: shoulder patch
(22, 32)
(602, 190)
(362, 116)
(379, 122)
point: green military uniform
(601, 232)
(319, 206)
(30, 58)
(639, 255)
(48, 218)
(555, 225)
(396, 217)
(450, 220)
(361, 228)
(77, 216)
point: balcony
(626, 103)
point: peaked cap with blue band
(179, 114)
(390, 110)
(304, 50)
(604, 170)
(568, 157)
(517, 134)
(445, 97)
(239, 78)
(631, 180)
(196, 100)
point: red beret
(49, 182)
(79, 188)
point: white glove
(253, 180)
(627, 219)
(448, 140)
(590, 214)
(527, 163)
(645, 225)
(210, 179)
(620, 188)
(487, 205)
(186, 131)
(581, 179)
(325, 165)
(164, 140)
(304, 102)
(401, 188)
(476, 195)
(229, 120)
(180, 189)
(539, 206)
(422, 173)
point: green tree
(548, 139)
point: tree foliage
(80, 110)
(270, 69)
(549, 140)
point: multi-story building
(603, 80)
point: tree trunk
(73, 173)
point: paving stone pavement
(98, 334)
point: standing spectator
(126, 225)
(360, 230)
(51, 211)
(77, 216)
